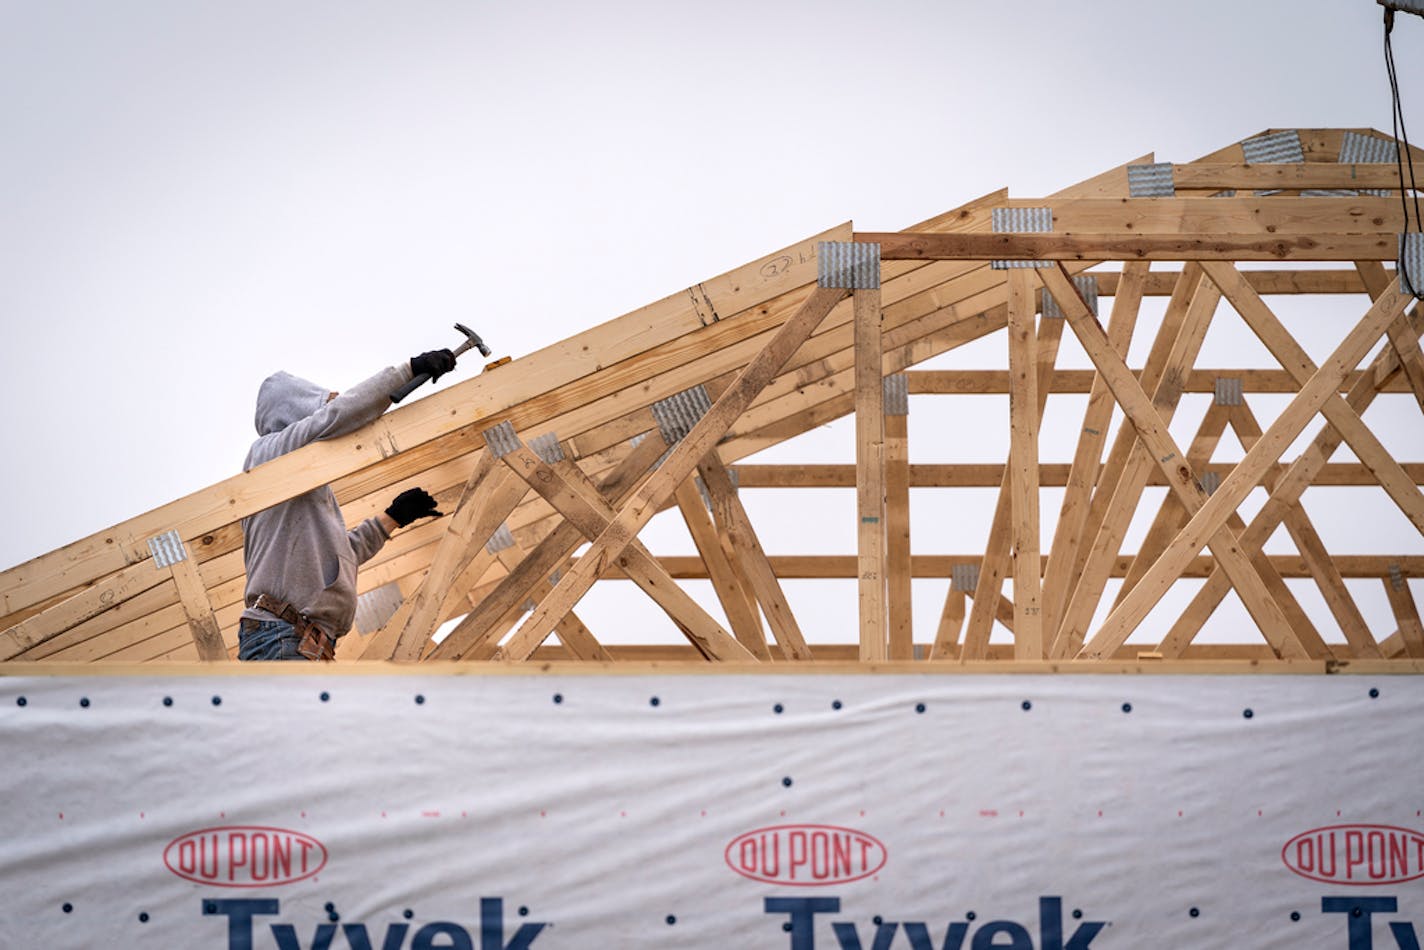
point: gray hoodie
(300, 551)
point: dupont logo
(245, 856)
(1356, 854)
(805, 855)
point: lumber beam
(1095, 536)
(898, 587)
(565, 487)
(1204, 246)
(637, 511)
(737, 604)
(1406, 613)
(1312, 549)
(1087, 456)
(1210, 517)
(1292, 356)
(481, 624)
(991, 474)
(1155, 439)
(995, 565)
(489, 498)
(750, 558)
(870, 474)
(1024, 407)
(1300, 475)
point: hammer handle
(424, 378)
(410, 387)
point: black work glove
(432, 363)
(411, 505)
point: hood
(283, 399)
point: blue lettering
(919, 935)
(1018, 935)
(492, 928)
(459, 937)
(1359, 924)
(239, 915)
(1050, 926)
(1404, 935)
(358, 938)
(849, 938)
(802, 911)
(286, 937)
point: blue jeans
(267, 640)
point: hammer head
(472, 340)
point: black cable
(1402, 153)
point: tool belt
(315, 643)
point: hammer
(472, 339)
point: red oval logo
(1356, 854)
(805, 855)
(244, 856)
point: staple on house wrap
(1357, 149)
(1021, 221)
(964, 577)
(1087, 286)
(897, 395)
(1229, 391)
(1411, 263)
(1396, 577)
(376, 607)
(1210, 482)
(678, 413)
(851, 265)
(547, 447)
(501, 439)
(1151, 180)
(501, 539)
(167, 549)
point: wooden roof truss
(552, 464)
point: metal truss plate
(547, 447)
(167, 549)
(1274, 148)
(376, 607)
(1021, 221)
(1411, 264)
(897, 395)
(501, 539)
(1087, 286)
(1210, 482)
(501, 439)
(1229, 391)
(1151, 181)
(848, 264)
(964, 577)
(678, 413)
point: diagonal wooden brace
(1157, 441)
(549, 555)
(1210, 518)
(565, 487)
(732, 519)
(639, 510)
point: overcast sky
(196, 193)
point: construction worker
(300, 559)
